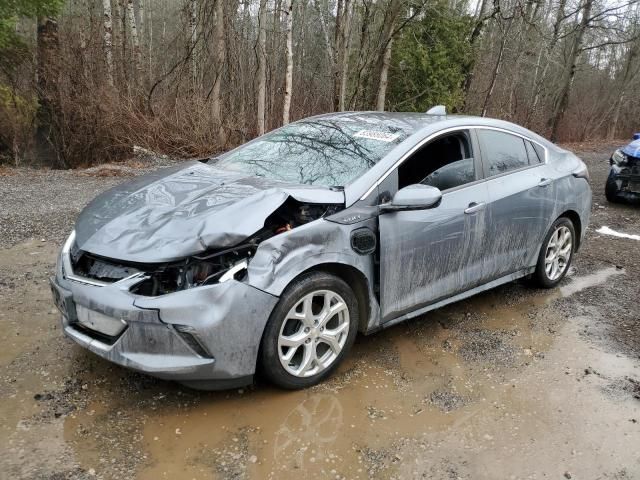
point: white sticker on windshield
(375, 135)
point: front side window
(502, 152)
(445, 163)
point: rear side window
(502, 152)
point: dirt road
(514, 383)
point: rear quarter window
(502, 152)
(532, 153)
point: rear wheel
(556, 253)
(310, 331)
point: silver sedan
(274, 255)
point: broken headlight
(217, 267)
(201, 273)
(618, 158)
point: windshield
(326, 152)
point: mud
(514, 383)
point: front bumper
(624, 183)
(205, 337)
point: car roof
(413, 120)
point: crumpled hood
(632, 149)
(184, 210)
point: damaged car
(273, 256)
(623, 182)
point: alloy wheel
(558, 253)
(313, 333)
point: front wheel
(556, 253)
(310, 331)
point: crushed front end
(623, 182)
(150, 318)
(197, 320)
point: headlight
(618, 158)
(219, 268)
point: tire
(542, 277)
(287, 326)
(611, 189)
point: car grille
(96, 268)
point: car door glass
(446, 162)
(502, 151)
(534, 158)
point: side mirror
(636, 136)
(413, 197)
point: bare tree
(193, 39)
(391, 14)
(108, 42)
(345, 48)
(288, 79)
(630, 70)
(131, 16)
(562, 99)
(48, 141)
(498, 64)
(262, 66)
(219, 57)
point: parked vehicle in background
(623, 182)
(275, 254)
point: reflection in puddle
(317, 421)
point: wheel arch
(577, 224)
(355, 279)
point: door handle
(474, 207)
(545, 182)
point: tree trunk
(338, 41)
(136, 42)
(108, 40)
(49, 148)
(124, 65)
(627, 76)
(288, 78)
(385, 58)
(218, 57)
(570, 72)
(539, 80)
(262, 65)
(325, 32)
(384, 73)
(481, 20)
(496, 69)
(273, 66)
(193, 39)
(344, 55)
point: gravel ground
(513, 383)
(44, 204)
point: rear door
(521, 201)
(428, 255)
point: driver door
(428, 255)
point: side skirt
(460, 296)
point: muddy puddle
(503, 385)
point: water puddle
(578, 284)
(463, 390)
